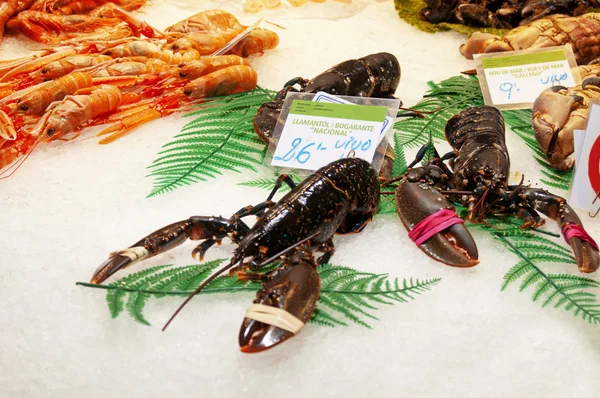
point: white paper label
(516, 80)
(586, 183)
(326, 97)
(317, 133)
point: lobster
(478, 180)
(557, 112)
(376, 75)
(341, 197)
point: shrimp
(70, 114)
(36, 101)
(55, 69)
(143, 48)
(229, 80)
(134, 68)
(195, 69)
(256, 42)
(208, 31)
(108, 22)
(8, 8)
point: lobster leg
(210, 229)
(557, 208)
(283, 305)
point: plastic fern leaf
(220, 138)
(346, 294)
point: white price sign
(515, 79)
(317, 133)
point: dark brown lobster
(341, 197)
(376, 75)
(478, 180)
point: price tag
(586, 183)
(312, 134)
(325, 97)
(513, 80)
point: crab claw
(453, 246)
(480, 43)
(282, 307)
(556, 113)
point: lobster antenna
(233, 262)
(281, 253)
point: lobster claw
(287, 300)
(454, 246)
(119, 260)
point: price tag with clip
(586, 182)
(514, 79)
(315, 130)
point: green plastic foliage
(220, 138)
(346, 294)
(572, 292)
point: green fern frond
(400, 164)
(443, 100)
(269, 183)
(220, 138)
(346, 294)
(572, 292)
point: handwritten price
(553, 79)
(302, 153)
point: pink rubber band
(575, 231)
(432, 224)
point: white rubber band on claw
(134, 253)
(275, 317)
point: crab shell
(557, 112)
(581, 32)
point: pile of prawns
(94, 75)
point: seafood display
(341, 197)
(581, 32)
(32, 17)
(557, 112)
(154, 78)
(254, 6)
(477, 179)
(501, 14)
(376, 75)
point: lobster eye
(23, 107)
(187, 91)
(50, 132)
(183, 74)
